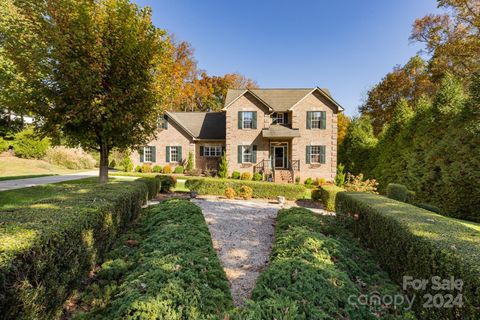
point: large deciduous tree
(94, 67)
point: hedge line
(410, 241)
(47, 246)
(171, 272)
(327, 195)
(267, 190)
(315, 267)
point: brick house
(282, 133)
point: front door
(279, 158)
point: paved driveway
(242, 234)
(32, 182)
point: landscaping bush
(29, 146)
(320, 181)
(246, 176)
(172, 273)
(49, 245)
(397, 192)
(261, 189)
(138, 169)
(223, 166)
(167, 183)
(235, 175)
(153, 185)
(167, 169)
(146, 168)
(315, 267)
(257, 176)
(112, 164)
(4, 145)
(127, 164)
(71, 158)
(308, 182)
(157, 169)
(246, 193)
(356, 183)
(230, 193)
(409, 241)
(179, 169)
(327, 194)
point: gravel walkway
(242, 234)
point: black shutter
(323, 121)
(285, 118)
(240, 120)
(154, 154)
(309, 120)
(322, 154)
(254, 120)
(140, 152)
(307, 160)
(201, 151)
(254, 154)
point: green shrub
(146, 168)
(261, 189)
(167, 169)
(71, 158)
(409, 241)
(235, 175)
(112, 164)
(319, 181)
(340, 176)
(397, 192)
(29, 146)
(358, 184)
(127, 164)
(4, 145)
(327, 194)
(49, 245)
(138, 168)
(315, 267)
(179, 169)
(157, 169)
(223, 166)
(257, 176)
(153, 186)
(246, 176)
(189, 162)
(173, 272)
(308, 182)
(167, 183)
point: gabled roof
(201, 125)
(278, 99)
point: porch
(279, 166)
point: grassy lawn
(17, 168)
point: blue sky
(346, 46)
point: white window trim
(312, 154)
(218, 151)
(145, 154)
(319, 121)
(243, 120)
(171, 158)
(247, 154)
(275, 119)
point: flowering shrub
(356, 183)
(230, 193)
(246, 192)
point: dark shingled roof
(201, 125)
(280, 131)
(277, 99)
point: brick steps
(283, 176)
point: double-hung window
(174, 154)
(247, 121)
(212, 151)
(316, 154)
(247, 153)
(147, 154)
(316, 120)
(278, 118)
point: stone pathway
(32, 182)
(242, 234)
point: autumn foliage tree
(93, 66)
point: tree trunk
(104, 163)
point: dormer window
(278, 118)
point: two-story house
(282, 133)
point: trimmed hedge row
(327, 195)
(169, 271)
(410, 241)
(318, 270)
(266, 190)
(47, 246)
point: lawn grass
(17, 167)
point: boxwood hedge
(318, 270)
(410, 241)
(48, 245)
(327, 195)
(397, 192)
(169, 271)
(267, 190)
